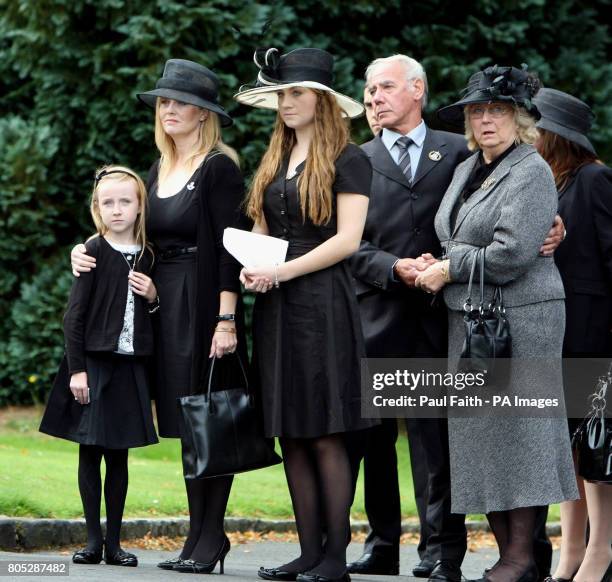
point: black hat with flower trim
(495, 84)
(305, 67)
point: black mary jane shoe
(120, 558)
(276, 574)
(195, 567)
(170, 563)
(308, 577)
(553, 579)
(86, 556)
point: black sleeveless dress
(307, 333)
(189, 284)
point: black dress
(307, 333)
(189, 284)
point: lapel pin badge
(488, 183)
(191, 186)
(434, 155)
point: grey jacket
(510, 215)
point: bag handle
(497, 303)
(467, 306)
(210, 376)
(482, 273)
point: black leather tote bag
(221, 431)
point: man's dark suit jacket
(397, 320)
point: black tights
(207, 501)
(115, 491)
(319, 478)
(513, 531)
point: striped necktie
(403, 143)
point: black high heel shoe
(276, 574)
(195, 567)
(305, 577)
(529, 575)
(86, 556)
(282, 575)
(170, 563)
(120, 558)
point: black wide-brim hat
(191, 83)
(565, 115)
(495, 84)
(306, 67)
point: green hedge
(69, 70)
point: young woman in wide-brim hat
(585, 263)
(195, 190)
(311, 189)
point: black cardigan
(220, 193)
(584, 260)
(94, 318)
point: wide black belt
(171, 253)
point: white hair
(412, 67)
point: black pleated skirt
(119, 413)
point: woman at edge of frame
(585, 262)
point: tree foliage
(70, 69)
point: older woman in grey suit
(503, 199)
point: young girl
(311, 189)
(100, 398)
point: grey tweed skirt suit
(502, 463)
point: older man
(413, 166)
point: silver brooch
(488, 183)
(434, 155)
(191, 186)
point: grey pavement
(241, 563)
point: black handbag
(487, 331)
(592, 440)
(221, 432)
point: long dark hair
(563, 156)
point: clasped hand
(407, 270)
(258, 279)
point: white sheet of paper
(254, 250)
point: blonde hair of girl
(121, 174)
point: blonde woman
(195, 191)
(311, 189)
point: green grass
(38, 478)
